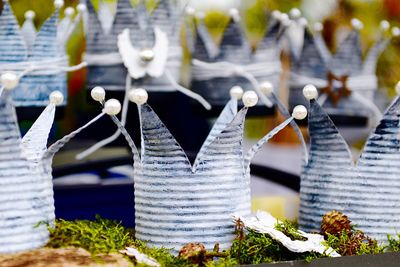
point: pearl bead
(398, 88)
(303, 22)
(58, 3)
(112, 107)
(98, 93)
(69, 11)
(236, 92)
(81, 7)
(9, 80)
(310, 92)
(385, 25)
(295, 13)
(138, 96)
(56, 98)
(266, 88)
(190, 11)
(357, 24)
(299, 112)
(318, 27)
(234, 13)
(146, 54)
(285, 20)
(276, 14)
(30, 14)
(250, 98)
(395, 31)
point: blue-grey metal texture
(33, 89)
(235, 49)
(367, 191)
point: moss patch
(97, 243)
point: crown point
(310, 92)
(9, 80)
(276, 14)
(190, 11)
(30, 14)
(234, 13)
(138, 96)
(395, 31)
(112, 107)
(236, 92)
(266, 88)
(98, 93)
(250, 98)
(385, 25)
(56, 98)
(357, 24)
(58, 3)
(299, 112)
(295, 13)
(284, 18)
(69, 11)
(81, 7)
(318, 27)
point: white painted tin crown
(177, 202)
(367, 191)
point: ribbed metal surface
(175, 203)
(234, 48)
(26, 192)
(33, 90)
(114, 77)
(369, 192)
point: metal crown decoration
(35, 62)
(215, 69)
(26, 202)
(177, 202)
(347, 83)
(368, 191)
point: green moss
(257, 248)
(394, 243)
(354, 243)
(290, 230)
(103, 236)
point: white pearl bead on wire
(112, 107)
(138, 96)
(299, 112)
(250, 98)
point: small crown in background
(26, 197)
(368, 191)
(263, 63)
(102, 40)
(177, 202)
(313, 63)
(22, 48)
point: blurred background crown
(239, 59)
(37, 57)
(347, 83)
(103, 29)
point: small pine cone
(194, 252)
(334, 223)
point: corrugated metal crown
(33, 90)
(177, 203)
(368, 191)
